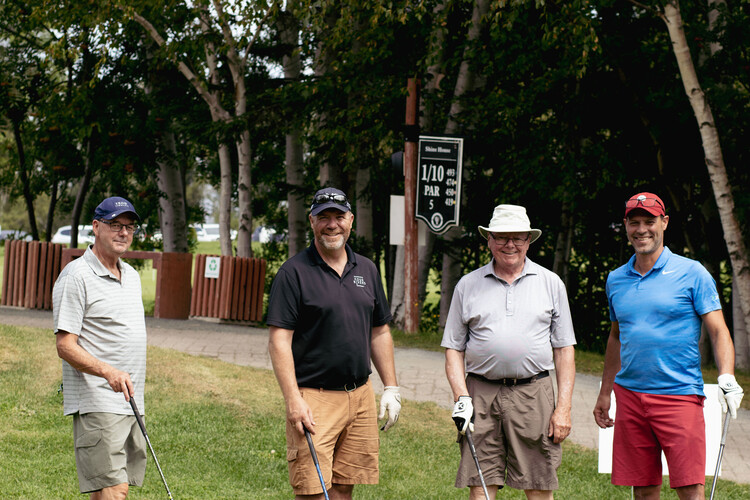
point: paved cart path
(420, 373)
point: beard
(335, 243)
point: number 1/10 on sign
(439, 182)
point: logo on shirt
(360, 281)
(667, 272)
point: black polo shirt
(332, 317)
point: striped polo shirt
(107, 315)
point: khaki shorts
(510, 435)
(346, 440)
(110, 450)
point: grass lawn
(218, 431)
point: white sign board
(711, 414)
(397, 223)
(213, 265)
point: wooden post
(411, 250)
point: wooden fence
(237, 294)
(29, 273)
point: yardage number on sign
(439, 182)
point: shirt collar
(317, 260)
(660, 262)
(529, 267)
(95, 264)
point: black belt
(350, 386)
(512, 381)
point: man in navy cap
(101, 338)
(328, 319)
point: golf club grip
(138, 416)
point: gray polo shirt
(107, 315)
(509, 329)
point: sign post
(439, 182)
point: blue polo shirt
(659, 315)
(332, 316)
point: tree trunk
(172, 206)
(245, 196)
(714, 158)
(563, 244)
(83, 189)
(398, 311)
(741, 337)
(295, 174)
(452, 269)
(363, 214)
(23, 174)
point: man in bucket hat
(658, 304)
(328, 319)
(509, 324)
(100, 333)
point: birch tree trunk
(172, 206)
(295, 174)
(713, 156)
(452, 269)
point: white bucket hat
(510, 219)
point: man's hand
(120, 381)
(390, 402)
(601, 411)
(559, 425)
(299, 414)
(730, 394)
(463, 414)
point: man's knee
(117, 492)
(341, 491)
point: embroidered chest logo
(360, 281)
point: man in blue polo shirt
(658, 302)
(328, 318)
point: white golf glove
(463, 411)
(730, 394)
(390, 402)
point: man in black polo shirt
(328, 318)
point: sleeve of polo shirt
(381, 314)
(456, 333)
(283, 301)
(705, 295)
(68, 304)
(562, 332)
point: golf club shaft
(476, 461)
(315, 460)
(721, 453)
(148, 442)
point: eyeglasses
(503, 240)
(644, 202)
(116, 227)
(339, 199)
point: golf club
(721, 452)
(476, 461)
(315, 460)
(148, 442)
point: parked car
(85, 235)
(210, 232)
(14, 234)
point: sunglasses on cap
(644, 202)
(339, 199)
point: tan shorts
(510, 435)
(346, 440)
(110, 450)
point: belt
(349, 386)
(512, 381)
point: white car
(210, 232)
(85, 235)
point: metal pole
(476, 462)
(411, 250)
(721, 452)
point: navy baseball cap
(329, 198)
(112, 207)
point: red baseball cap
(645, 201)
